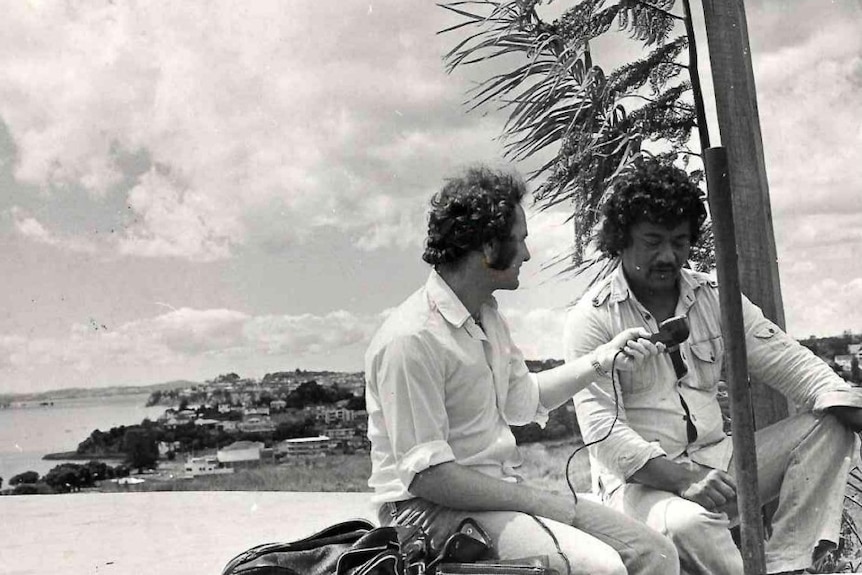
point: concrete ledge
(169, 533)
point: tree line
(65, 478)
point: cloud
(180, 340)
(809, 96)
(30, 228)
(172, 220)
(538, 332)
(239, 107)
(823, 307)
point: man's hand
(712, 488)
(635, 349)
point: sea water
(28, 433)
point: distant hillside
(85, 392)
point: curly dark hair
(470, 212)
(655, 192)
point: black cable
(616, 417)
(556, 544)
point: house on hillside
(256, 425)
(207, 465)
(240, 453)
(305, 447)
(208, 423)
(341, 415)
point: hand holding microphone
(637, 344)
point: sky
(194, 188)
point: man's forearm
(453, 485)
(712, 488)
(559, 384)
(664, 474)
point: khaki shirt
(652, 421)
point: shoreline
(75, 456)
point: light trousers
(803, 461)
(600, 541)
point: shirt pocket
(707, 357)
(640, 380)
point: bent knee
(691, 522)
(599, 565)
(662, 555)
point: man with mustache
(667, 460)
(445, 381)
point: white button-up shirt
(652, 420)
(441, 388)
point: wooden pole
(733, 330)
(739, 125)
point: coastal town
(218, 427)
(282, 416)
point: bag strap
(468, 544)
(403, 549)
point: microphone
(672, 332)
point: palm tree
(585, 125)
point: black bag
(358, 548)
(314, 555)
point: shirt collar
(450, 307)
(689, 282)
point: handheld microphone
(672, 332)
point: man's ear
(491, 251)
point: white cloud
(175, 221)
(318, 109)
(824, 307)
(538, 332)
(179, 340)
(32, 229)
(809, 97)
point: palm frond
(555, 96)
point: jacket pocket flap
(709, 350)
(765, 332)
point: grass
(332, 473)
(543, 467)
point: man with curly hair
(445, 381)
(661, 453)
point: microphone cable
(610, 429)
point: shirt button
(647, 316)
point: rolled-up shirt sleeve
(778, 360)
(598, 405)
(412, 398)
(522, 401)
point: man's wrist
(599, 366)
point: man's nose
(666, 253)
(526, 254)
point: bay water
(28, 433)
